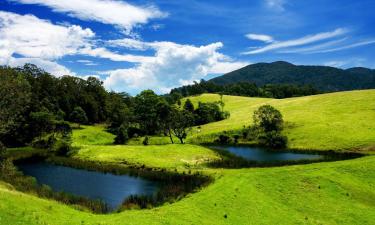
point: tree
(181, 122)
(146, 111)
(117, 110)
(269, 123)
(78, 116)
(2, 150)
(122, 135)
(207, 113)
(268, 118)
(42, 122)
(188, 106)
(15, 93)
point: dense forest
(38, 108)
(323, 78)
(246, 89)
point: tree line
(245, 89)
(39, 109)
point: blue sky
(161, 44)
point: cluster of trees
(245, 89)
(38, 108)
(32, 102)
(267, 128)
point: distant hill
(324, 78)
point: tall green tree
(181, 123)
(146, 111)
(188, 106)
(78, 116)
(15, 93)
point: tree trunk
(170, 136)
(182, 140)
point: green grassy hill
(321, 193)
(336, 121)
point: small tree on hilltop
(78, 116)
(268, 119)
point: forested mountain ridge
(323, 78)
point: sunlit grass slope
(323, 193)
(166, 156)
(336, 121)
(92, 135)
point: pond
(109, 188)
(264, 155)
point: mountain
(323, 78)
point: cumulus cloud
(119, 13)
(299, 42)
(172, 65)
(260, 37)
(32, 37)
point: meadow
(341, 192)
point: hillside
(323, 78)
(336, 121)
(321, 193)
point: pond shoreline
(173, 185)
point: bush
(63, 147)
(44, 143)
(2, 149)
(223, 139)
(135, 132)
(122, 135)
(145, 141)
(273, 139)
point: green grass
(165, 156)
(322, 193)
(92, 135)
(335, 121)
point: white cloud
(172, 65)
(299, 42)
(32, 37)
(312, 49)
(39, 41)
(345, 47)
(278, 5)
(260, 37)
(119, 13)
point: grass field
(322, 193)
(336, 121)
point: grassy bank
(341, 192)
(335, 121)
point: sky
(161, 44)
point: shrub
(2, 149)
(145, 141)
(223, 139)
(122, 135)
(236, 138)
(63, 147)
(273, 139)
(46, 142)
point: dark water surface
(263, 155)
(111, 189)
